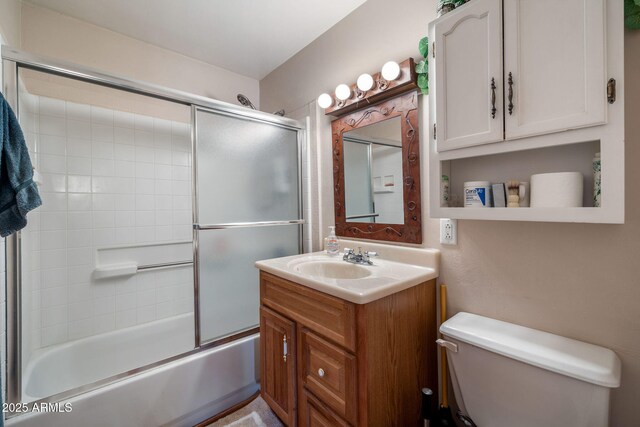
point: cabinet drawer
(316, 414)
(329, 373)
(324, 314)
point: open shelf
(520, 165)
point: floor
(253, 412)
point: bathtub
(179, 393)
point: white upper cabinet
(560, 86)
(554, 76)
(554, 62)
(469, 82)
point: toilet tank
(505, 375)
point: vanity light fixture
(325, 100)
(369, 89)
(365, 82)
(343, 92)
(390, 71)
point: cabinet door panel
(555, 52)
(468, 56)
(278, 370)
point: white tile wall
(110, 178)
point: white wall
(577, 280)
(50, 33)
(10, 21)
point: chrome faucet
(359, 258)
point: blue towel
(18, 192)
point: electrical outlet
(448, 231)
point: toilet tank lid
(566, 356)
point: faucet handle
(348, 251)
(371, 253)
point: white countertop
(400, 269)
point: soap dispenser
(331, 244)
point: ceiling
(249, 37)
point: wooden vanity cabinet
(346, 364)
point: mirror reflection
(373, 173)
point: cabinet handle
(284, 348)
(510, 81)
(493, 98)
(321, 373)
(611, 91)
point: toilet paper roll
(557, 190)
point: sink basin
(332, 270)
(397, 269)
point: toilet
(505, 375)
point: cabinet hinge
(434, 131)
(433, 50)
(611, 91)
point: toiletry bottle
(597, 181)
(444, 191)
(331, 244)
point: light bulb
(343, 92)
(325, 100)
(390, 71)
(365, 82)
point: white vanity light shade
(343, 92)
(325, 100)
(365, 82)
(390, 71)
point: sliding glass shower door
(249, 208)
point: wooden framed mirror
(376, 171)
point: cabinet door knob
(321, 373)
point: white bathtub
(179, 393)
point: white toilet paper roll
(557, 190)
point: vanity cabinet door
(278, 367)
(555, 60)
(468, 80)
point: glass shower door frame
(197, 227)
(12, 60)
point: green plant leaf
(632, 21)
(423, 46)
(422, 67)
(632, 14)
(423, 81)
(631, 7)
